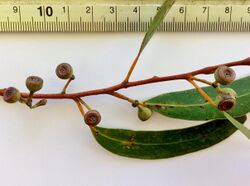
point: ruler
(122, 15)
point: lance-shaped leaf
(244, 130)
(164, 144)
(190, 105)
(160, 15)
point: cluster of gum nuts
(225, 100)
(34, 83)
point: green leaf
(238, 125)
(190, 105)
(164, 144)
(165, 7)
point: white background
(51, 146)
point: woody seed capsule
(11, 95)
(64, 71)
(34, 83)
(224, 75)
(92, 118)
(226, 100)
(227, 103)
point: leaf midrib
(153, 144)
(188, 105)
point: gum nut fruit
(64, 71)
(11, 95)
(92, 118)
(34, 83)
(225, 102)
(224, 75)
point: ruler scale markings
(207, 24)
(33, 26)
(116, 17)
(8, 24)
(139, 18)
(197, 27)
(229, 24)
(127, 26)
(173, 24)
(20, 16)
(218, 24)
(80, 24)
(104, 24)
(25, 17)
(185, 18)
(44, 19)
(16, 26)
(12, 27)
(1, 25)
(52, 26)
(84, 26)
(57, 25)
(4, 27)
(68, 14)
(240, 25)
(92, 19)
(231, 11)
(28, 26)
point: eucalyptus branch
(110, 90)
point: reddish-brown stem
(121, 96)
(122, 85)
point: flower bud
(11, 95)
(40, 103)
(228, 91)
(144, 113)
(64, 71)
(34, 83)
(224, 75)
(92, 118)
